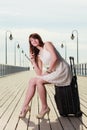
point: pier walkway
(12, 92)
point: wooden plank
(12, 124)
(33, 122)
(55, 123)
(10, 109)
(12, 97)
(65, 122)
(7, 113)
(77, 123)
(26, 123)
(45, 122)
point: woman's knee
(39, 82)
(32, 81)
(36, 81)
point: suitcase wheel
(78, 114)
(64, 115)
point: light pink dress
(62, 75)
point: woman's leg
(43, 96)
(42, 93)
(30, 92)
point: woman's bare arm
(37, 66)
(54, 58)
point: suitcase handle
(72, 65)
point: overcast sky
(54, 20)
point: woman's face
(34, 42)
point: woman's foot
(24, 112)
(43, 113)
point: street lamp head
(62, 45)
(22, 51)
(72, 36)
(10, 37)
(18, 46)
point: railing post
(85, 69)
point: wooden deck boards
(12, 93)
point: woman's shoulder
(48, 43)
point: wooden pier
(12, 93)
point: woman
(57, 72)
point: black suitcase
(67, 97)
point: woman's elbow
(39, 73)
(55, 59)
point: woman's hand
(45, 73)
(32, 58)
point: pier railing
(9, 69)
(81, 69)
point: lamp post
(15, 46)
(72, 37)
(23, 57)
(10, 37)
(18, 46)
(27, 57)
(62, 46)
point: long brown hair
(34, 49)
